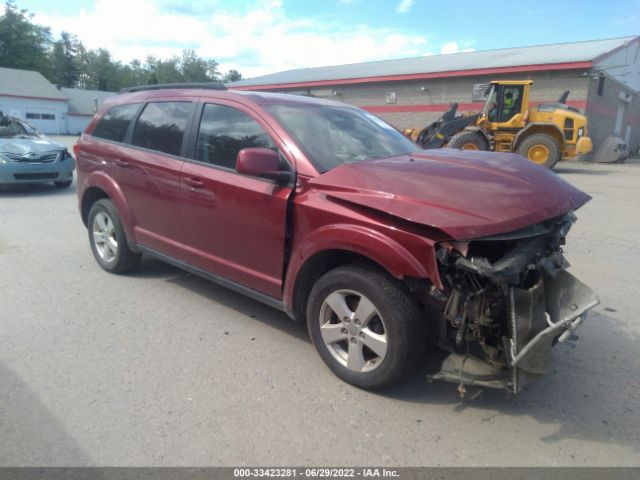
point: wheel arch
(90, 196)
(100, 186)
(479, 131)
(538, 127)
(334, 246)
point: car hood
(22, 145)
(464, 194)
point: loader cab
(506, 104)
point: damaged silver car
(27, 156)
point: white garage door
(44, 119)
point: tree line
(66, 62)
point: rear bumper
(21, 172)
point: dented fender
(365, 241)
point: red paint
(422, 76)
(256, 161)
(443, 107)
(437, 107)
(464, 194)
(392, 211)
(234, 226)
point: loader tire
(468, 141)
(541, 149)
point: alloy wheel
(353, 330)
(104, 237)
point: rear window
(161, 126)
(113, 125)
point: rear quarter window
(161, 126)
(114, 124)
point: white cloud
(454, 47)
(404, 6)
(450, 47)
(259, 40)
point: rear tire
(365, 326)
(108, 240)
(541, 149)
(468, 140)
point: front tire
(541, 149)
(365, 326)
(468, 140)
(108, 240)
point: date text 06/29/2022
(323, 472)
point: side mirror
(262, 162)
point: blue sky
(263, 36)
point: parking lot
(159, 367)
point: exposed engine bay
(508, 299)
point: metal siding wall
(77, 123)
(602, 111)
(548, 86)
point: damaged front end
(508, 299)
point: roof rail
(163, 86)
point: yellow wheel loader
(544, 134)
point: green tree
(168, 71)
(23, 44)
(65, 70)
(196, 69)
(67, 62)
(232, 76)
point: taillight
(76, 150)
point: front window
(334, 135)
(224, 131)
(491, 103)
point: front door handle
(194, 182)
(121, 163)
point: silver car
(27, 156)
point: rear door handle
(194, 182)
(121, 163)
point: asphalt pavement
(159, 367)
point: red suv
(329, 214)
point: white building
(82, 105)
(28, 95)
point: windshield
(490, 103)
(332, 136)
(12, 127)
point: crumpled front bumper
(539, 317)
